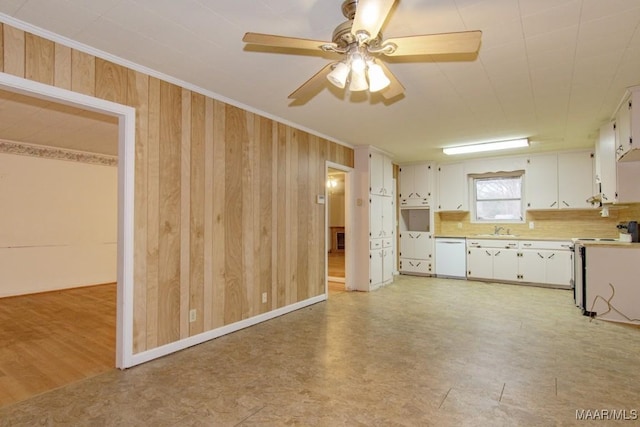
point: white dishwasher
(451, 258)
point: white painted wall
(58, 224)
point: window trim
(474, 197)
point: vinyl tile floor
(419, 352)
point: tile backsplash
(547, 224)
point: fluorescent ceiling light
(487, 146)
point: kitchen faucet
(496, 230)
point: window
(498, 198)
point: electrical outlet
(193, 315)
(531, 225)
(264, 297)
(459, 225)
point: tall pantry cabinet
(374, 238)
(416, 218)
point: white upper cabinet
(605, 164)
(541, 182)
(452, 187)
(415, 184)
(559, 181)
(628, 126)
(381, 174)
(575, 179)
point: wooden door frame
(348, 222)
(126, 174)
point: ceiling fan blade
(285, 42)
(370, 15)
(436, 44)
(395, 88)
(313, 85)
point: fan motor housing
(349, 8)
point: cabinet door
(558, 268)
(387, 216)
(415, 185)
(376, 173)
(606, 178)
(415, 244)
(505, 264)
(575, 179)
(421, 182)
(380, 174)
(541, 182)
(388, 264)
(387, 177)
(406, 177)
(423, 244)
(407, 244)
(623, 129)
(531, 266)
(452, 188)
(480, 263)
(375, 266)
(376, 207)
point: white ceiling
(550, 70)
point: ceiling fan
(360, 41)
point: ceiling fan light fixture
(357, 63)
(358, 81)
(487, 146)
(377, 79)
(338, 76)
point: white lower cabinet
(479, 263)
(491, 258)
(528, 261)
(505, 264)
(416, 253)
(415, 244)
(531, 266)
(548, 262)
(381, 262)
(416, 266)
(487, 262)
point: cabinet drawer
(492, 243)
(375, 244)
(421, 266)
(387, 242)
(555, 245)
(414, 202)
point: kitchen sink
(496, 235)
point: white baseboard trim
(173, 347)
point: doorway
(337, 227)
(60, 181)
(125, 117)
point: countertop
(608, 243)
(506, 237)
(618, 245)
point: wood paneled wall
(225, 200)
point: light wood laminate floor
(418, 352)
(335, 265)
(52, 339)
